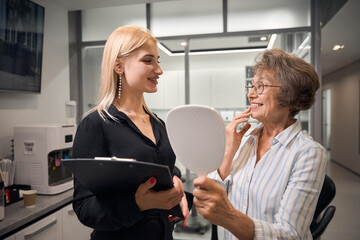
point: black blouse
(118, 217)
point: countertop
(17, 216)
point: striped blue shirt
(280, 192)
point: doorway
(326, 119)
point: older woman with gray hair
(270, 179)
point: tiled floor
(346, 222)
(196, 222)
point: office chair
(319, 222)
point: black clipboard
(109, 176)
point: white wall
(48, 107)
(184, 17)
(344, 85)
(99, 23)
(258, 14)
(173, 18)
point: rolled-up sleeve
(223, 183)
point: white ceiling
(88, 4)
(339, 30)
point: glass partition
(171, 86)
(218, 71)
(270, 14)
(91, 69)
(186, 17)
(99, 23)
(220, 67)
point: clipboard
(109, 176)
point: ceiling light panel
(338, 47)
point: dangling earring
(119, 89)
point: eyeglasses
(258, 86)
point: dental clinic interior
(207, 49)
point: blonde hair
(121, 43)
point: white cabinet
(61, 225)
(227, 88)
(174, 89)
(47, 228)
(218, 88)
(200, 87)
(72, 228)
(213, 87)
(171, 91)
(155, 100)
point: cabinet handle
(39, 231)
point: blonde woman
(123, 126)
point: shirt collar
(284, 137)
(120, 115)
(122, 118)
(255, 131)
(116, 113)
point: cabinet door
(174, 89)
(72, 227)
(155, 100)
(200, 87)
(228, 88)
(47, 228)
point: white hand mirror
(197, 136)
